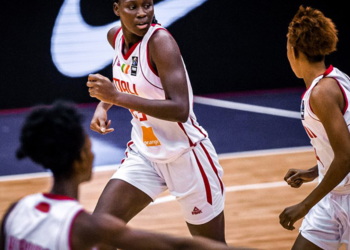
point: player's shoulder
(160, 35)
(111, 35)
(327, 86)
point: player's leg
(134, 185)
(122, 200)
(214, 229)
(303, 244)
(195, 179)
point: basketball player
(53, 137)
(325, 116)
(169, 149)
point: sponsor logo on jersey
(149, 138)
(196, 211)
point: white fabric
(327, 223)
(183, 178)
(158, 140)
(316, 131)
(28, 225)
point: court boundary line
(224, 156)
(246, 107)
(237, 188)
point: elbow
(183, 114)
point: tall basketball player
(53, 137)
(168, 148)
(326, 117)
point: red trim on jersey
(328, 71)
(345, 96)
(183, 129)
(205, 179)
(71, 226)
(148, 60)
(127, 55)
(213, 167)
(129, 144)
(144, 74)
(115, 35)
(307, 131)
(43, 207)
(318, 158)
(57, 196)
(198, 128)
(310, 133)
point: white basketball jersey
(158, 140)
(316, 131)
(41, 222)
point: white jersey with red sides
(158, 140)
(316, 131)
(41, 222)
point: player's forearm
(170, 110)
(335, 174)
(105, 106)
(314, 171)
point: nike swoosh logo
(78, 49)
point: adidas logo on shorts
(196, 211)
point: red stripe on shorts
(213, 167)
(205, 179)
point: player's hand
(102, 88)
(296, 177)
(99, 122)
(292, 214)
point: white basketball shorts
(327, 223)
(194, 179)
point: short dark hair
(313, 34)
(53, 137)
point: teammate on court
(53, 137)
(169, 149)
(325, 116)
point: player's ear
(116, 8)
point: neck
(311, 71)
(65, 186)
(129, 38)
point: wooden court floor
(255, 196)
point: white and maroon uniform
(158, 144)
(327, 223)
(41, 222)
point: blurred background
(49, 47)
(234, 51)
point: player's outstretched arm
(90, 230)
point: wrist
(313, 172)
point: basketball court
(258, 136)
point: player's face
(135, 15)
